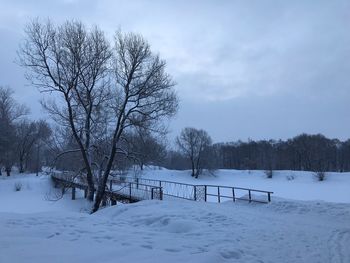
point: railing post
(130, 190)
(73, 193)
(195, 193)
(233, 194)
(218, 194)
(269, 196)
(250, 196)
(205, 193)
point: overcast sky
(244, 69)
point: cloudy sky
(244, 69)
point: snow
(35, 229)
(298, 185)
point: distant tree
(193, 143)
(29, 134)
(146, 148)
(36, 155)
(10, 113)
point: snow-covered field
(297, 185)
(35, 229)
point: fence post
(161, 194)
(73, 193)
(233, 194)
(111, 185)
(269, 196)
(137, 183)
(205, 193)
(130, 190)
(250, 196)
(218, 194)
(152, 193)
(195, 193)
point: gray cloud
(259, 69)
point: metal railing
(130, 191)
(207, 193)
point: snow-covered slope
(33, 229)
(297, 185)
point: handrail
(238, 188)
(191, 194)
(188, 191)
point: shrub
(18, 186)
(290, 177)
(320, 175)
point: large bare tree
(142, 94)
(71, 63)
(193, 143)
(102, 91)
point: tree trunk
(100, 193)
(21, 166)
(193, 168)
(8, 171)
(91, 188)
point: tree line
(303, 152)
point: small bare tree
(26, 138)
(10, 113)
(193, 143)
(147, 148)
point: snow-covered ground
(35, 229)
(297, 185)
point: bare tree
(104, 92)
(10, 113)
(26, 137)
(193, 143)
(147, 148)
(35, 156)
(143, 94)
(71, 61)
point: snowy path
(339, 245)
